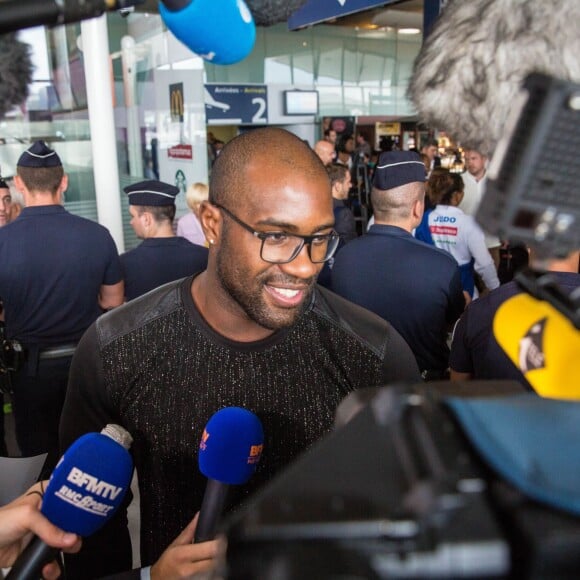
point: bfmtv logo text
(95, 488)
(204, 438)
(255, 454)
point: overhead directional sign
(236, 104)
(316, 11)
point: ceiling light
(409, 30)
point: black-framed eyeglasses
(282, 247)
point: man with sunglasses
(253, 330)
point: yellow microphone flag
(542, 343)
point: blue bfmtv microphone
(220, 31)
(84, 491)
(229, 452)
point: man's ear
(19, 184)
(146, 219)
(63, 183)
(418, 209)
(62, 188)
(210, 218)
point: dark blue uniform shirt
(53, 264)
(414, 286)
(157, 261)
(474, 349)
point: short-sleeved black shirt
(157, 261)
(53, 264)
(414, 286)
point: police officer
(162, 256)
(59, 273)
(414, 286)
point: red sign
(443, 230)
(180, 152)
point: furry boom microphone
(15, 72)
(268, 12)
(474, 61)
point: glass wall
(357, 72)
(55, 111)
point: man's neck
(39, 198)
(568, 264)
(224, 316)
(164, 230)
(406, 225)
(479, 176)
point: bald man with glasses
(253, 330)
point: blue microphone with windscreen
(84, 491)
(229, 452)
(220, 31)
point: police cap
(396, 168)
(39, 155)
(151, 193)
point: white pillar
(95, 43)
(129, 62)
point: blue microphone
(220, 31)
(229, 452)
(84, 491)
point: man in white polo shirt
(474, 179)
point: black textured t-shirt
(155, 367)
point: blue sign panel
(316, 11)
(236, 104)
(431, 11)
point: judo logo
(531, 353)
